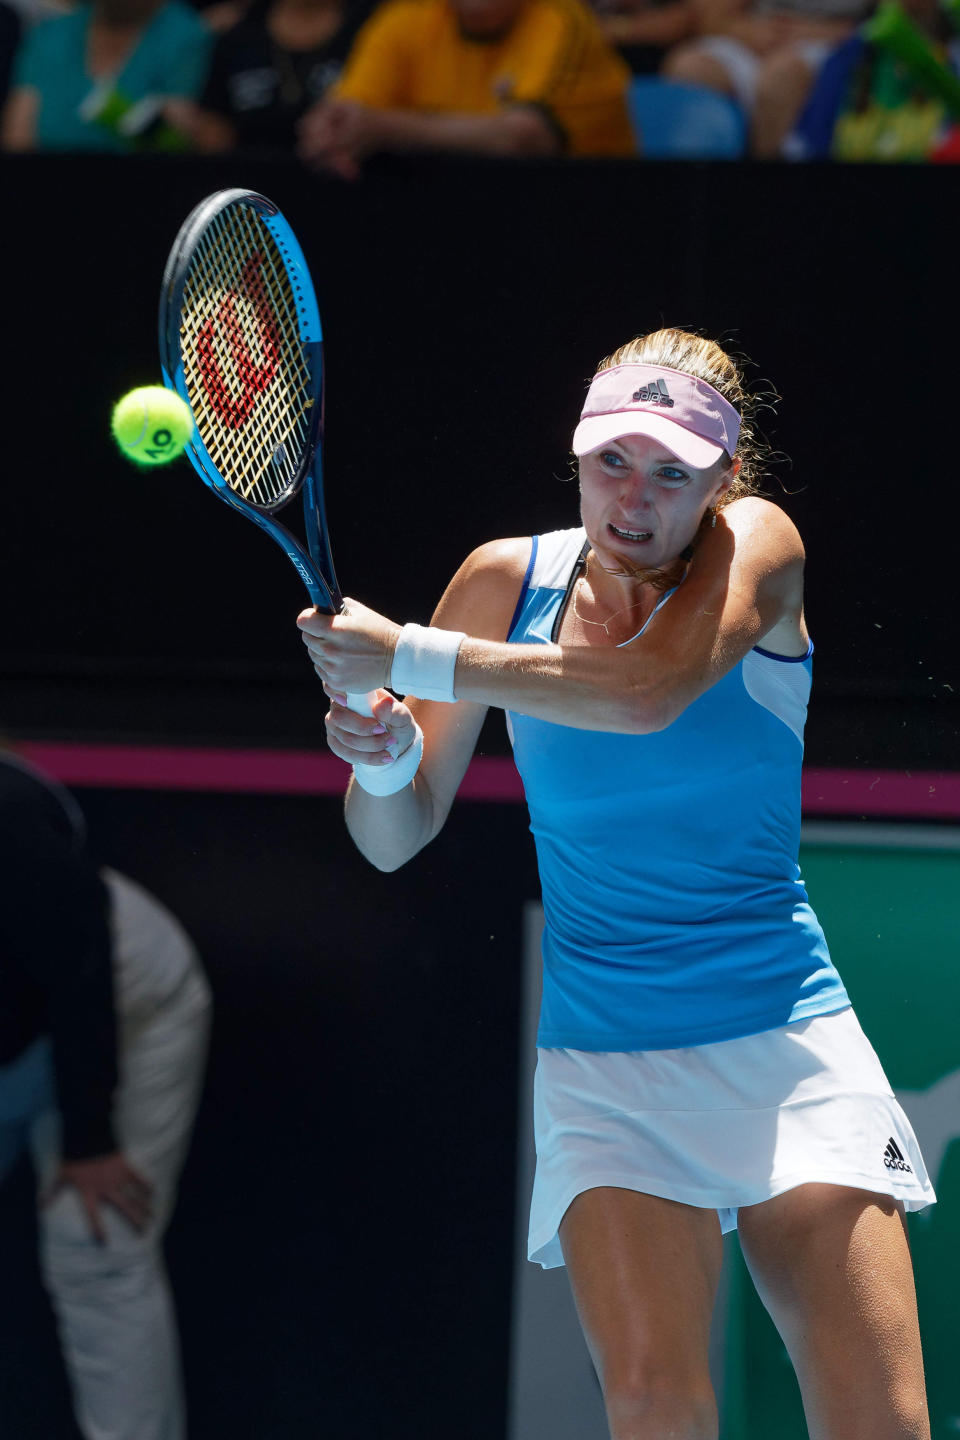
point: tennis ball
(151, 425)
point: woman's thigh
(644, 1274)
(832, 1266)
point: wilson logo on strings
(242, 315)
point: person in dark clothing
(103, 1022)
(267, 71)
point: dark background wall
(465, 307)
(342, 1249)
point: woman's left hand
(352, 651)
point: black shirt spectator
(55, 959)
(270, 68)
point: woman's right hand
(376, 739)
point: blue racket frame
(314, 564)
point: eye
(670, 477)
(612, 460)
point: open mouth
(631, 534)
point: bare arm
(745, 579)
(340, 133)
(712, 17)
(651, 25)
(519, 130)
(745, 575)
(390, 829)
(766, 33)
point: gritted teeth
(631, 534)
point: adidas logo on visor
(893, 1157)
(654, 394)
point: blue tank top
(674, 909)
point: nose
(635, 492)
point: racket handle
(360, 704)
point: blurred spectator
(492, 77)
(103, 1024)
(9, 39)
(99, 77)
(267, 71)
(643, 30)
(766, 54)
(870, 104)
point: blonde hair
(704, 359)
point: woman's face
(641, 506)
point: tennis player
(699, 1064)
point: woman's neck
(632, 584)
(611, 607)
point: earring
(713, 519)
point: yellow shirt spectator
(416, 55)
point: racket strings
(240, 235)
(244, 362)
(235, 409)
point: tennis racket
(241, 343)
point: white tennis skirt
(722, 1125)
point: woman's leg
(644, 1274)
(832, 1266)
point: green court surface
(890, 915)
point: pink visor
(684, 414)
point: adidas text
(893, 1157)
(654, 394)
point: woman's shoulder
(767, 560)
(756, 522)
(504, 558)
(482, 595)
(514, 556)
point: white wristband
(388, 779)
(424, 662)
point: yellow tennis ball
(151, 425)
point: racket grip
(360, 704)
